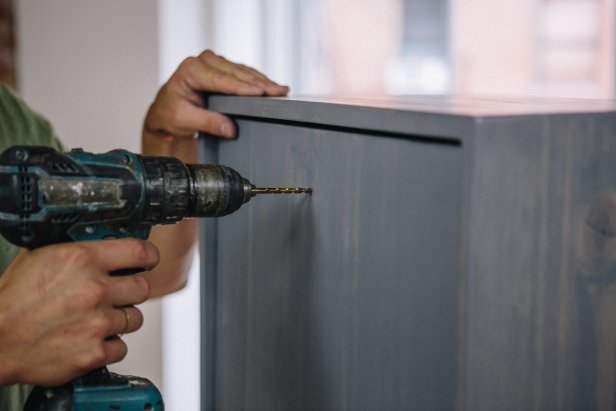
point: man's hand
(61, 311)
(178, 109)
(169, 129)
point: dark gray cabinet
(455, 254)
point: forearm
(160, 144)
(176, 242)
(177, 245)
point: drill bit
(280, 190)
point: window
(572, 57)
(507, 47)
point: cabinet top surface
(473, 106)
(408, 114)
(455, 105)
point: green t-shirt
(19, 125)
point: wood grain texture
(540, 331)
(335, 300)
(446, 260)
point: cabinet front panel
(345, 299)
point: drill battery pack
(99, 390)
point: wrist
(161, 144)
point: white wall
(183, 31)
(91, 67)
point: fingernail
(226, 129)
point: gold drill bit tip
(280, 190)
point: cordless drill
(49, 197)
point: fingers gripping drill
(49, 197)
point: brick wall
(7, 43)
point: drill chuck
(177, 190)
(217, 190)
(174, 190)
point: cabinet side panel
(208, 240)
(345, 299)
(541, 326)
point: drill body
(48, 197)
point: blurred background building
(93, 67)
(512, 47)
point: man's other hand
(178, 109)
(61, 312)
